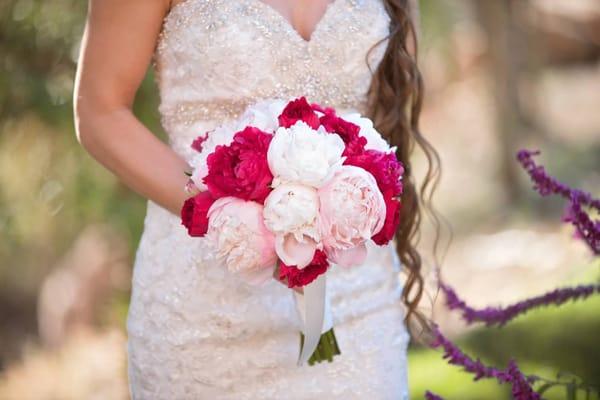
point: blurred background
(500, 75)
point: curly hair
(394, 103)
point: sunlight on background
(499, 76)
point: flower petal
(294, 252)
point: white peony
(222, 135)
(300, 154)
(262, 115)
(291, 212)
(374, 139)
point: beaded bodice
(214, 57)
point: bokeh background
(500, 75)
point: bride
(194, 331)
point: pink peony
(298, 110)
(352, 211)
(392, 219)
(385, 167)
(240, 238)
(241, 169)
(297, 277)
(194, 213)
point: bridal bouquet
(292, 189)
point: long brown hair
(394, 102)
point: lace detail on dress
(197, 331)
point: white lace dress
(195, 330)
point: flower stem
(326, 349)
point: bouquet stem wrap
(317, 330)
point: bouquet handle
(315, 311)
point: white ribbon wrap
(315, 311)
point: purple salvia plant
(521, 385)
(501, 315)
(546, 185)
(587, 229)
(432, 396)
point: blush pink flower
(240, 238)
(298, 110)
(352, 211)
(298, 277)
(241, 169)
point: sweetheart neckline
(288, 27)
(315, 30)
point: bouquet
(290, 190)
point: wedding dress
(195, 331)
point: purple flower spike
(521, 384)
(501, 315)
(432, 396)
(546, 185)
(455, 356)
(586, 229)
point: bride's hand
(284, 282)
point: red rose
(241, 169)
(301, 277)
(197, 143)
(392, 219)
(385, 167)
(194, 213)
(349, 132)
(298, 110)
